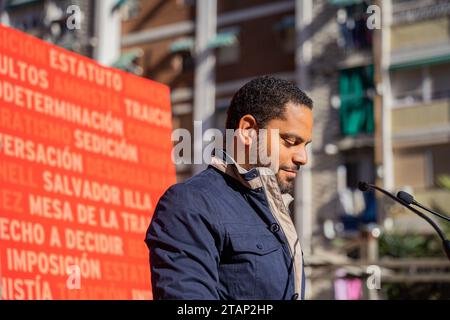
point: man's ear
(247, 130)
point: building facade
(416, 78)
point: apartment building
(417, 92)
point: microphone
(364, 186)
(409, 199)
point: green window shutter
(356, 111)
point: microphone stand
(363, 186)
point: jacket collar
(249, 178)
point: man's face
(295, 133)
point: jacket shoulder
(196, 192)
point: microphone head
(405, 196)
(363, 186)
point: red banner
(85, 154)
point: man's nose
(300, 157)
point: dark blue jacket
(212, 237)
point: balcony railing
(407, 11)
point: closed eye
(290, 142)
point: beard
(286, 186)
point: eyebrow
(295, 136)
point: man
(227, 233)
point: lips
(292, 173)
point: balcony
(421, 124)
(417, 35)
(420, 30)
(407, 11)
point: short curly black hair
(264, 98)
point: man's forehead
(297, 110)
(297, 120)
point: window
(421, 168)
(407, 85)
(228, 47)
(440, 163)
(439, 75)
(182, 61)
(416, 85)
(358, 166)
(182, 58)
(352, 25)
(411, 168)
(228, 55)
(286, 30)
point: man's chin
(286, 186)
(290, 190)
